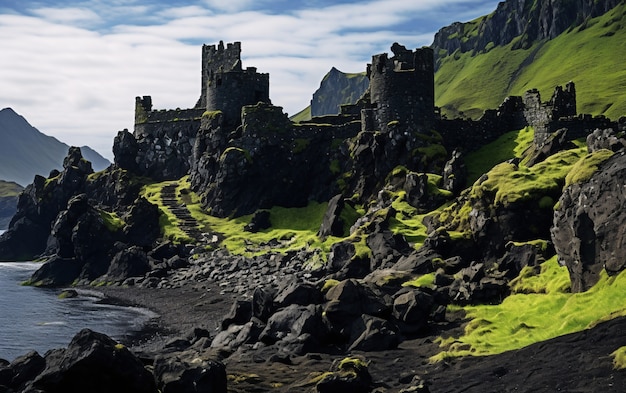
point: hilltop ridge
(26, 152)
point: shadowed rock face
(589, 231)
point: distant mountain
(9, 192)
(539, 44)
(26, 152)
(337, 88)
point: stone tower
(226, 86)
(402, 89)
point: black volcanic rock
(95, 363)
(39, 205)
(590, 224)
(125, 150)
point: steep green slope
(590, 55)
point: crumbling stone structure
(402, 90)
(244, 154)
(544, 116)
(226, 86)
(165, 138)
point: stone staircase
(186, 222)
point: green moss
(425, 280)
(548, 311)
(510, 145)
(619, 358)
(352, 364)
(431, 153)
(328, 284)
(232, 149)
(508, 183)
(170, 228)
(584, 168)
(112, 222)
(550, 277)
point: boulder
(142, 223)
(125, 150)
(189, 373)
(349, 300)
(294, 321)
(455, 173)
(387, 248)
(263, 303)
(57, 272)
(518, 256)
(589, 231)
(22, 370)
(412, 310)
(130, 262)
(259, 221)
(240, 313)
(236, 335)
(298, 293)
(95, 363)
(557, 141)
(369, 333)
(605, 139)
(344, 263)
(332, 223)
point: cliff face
(337, 88)
(530, 20)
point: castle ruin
(223, 140)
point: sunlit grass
(548, 311)
(472, 83)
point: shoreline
(178, 311)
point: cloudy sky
(73, 68)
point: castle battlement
(402, 89)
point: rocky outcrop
(264, 163)
(529, 20)
(337, 88)
(39, 205)
(589, 224)
(93, 362)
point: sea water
(37, 319)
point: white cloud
(71, 15)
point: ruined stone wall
(544, 116)
(230, 91)
(215, 59)
(164, 139)
(402, 89)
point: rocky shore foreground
(173, 354)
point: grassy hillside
(9, 189)
(591, 55)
